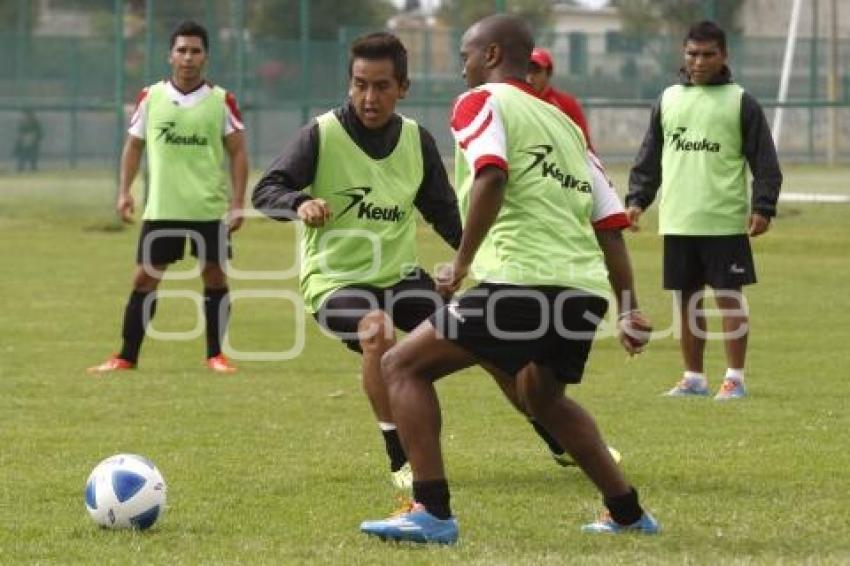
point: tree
(462, 13)
(18, 16)
(650, 17)
(280, 18)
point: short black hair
(707, 30)
(189, 28)
(377, 46)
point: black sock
(434, 495)
(624, 509)
(394, 449)
(550, 441)
(217, 312)
(135, 322)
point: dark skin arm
(487, 195)
(634, 327)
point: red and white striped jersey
(479, 132)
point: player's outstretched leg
(410, 369)
(376, 335)
(577, 432)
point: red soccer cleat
(114, 363)
(220, 364)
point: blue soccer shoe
(417, 525)
(731, 389)
(646, 525)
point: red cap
(542, 57)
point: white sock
(386, 426)
(735, 375)
(695, 377)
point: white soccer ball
(125, 491)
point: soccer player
(362, 169)
(540, 69)
(609, 218)
(525, 187)
(701, 135)
(188, 126)
(365, 167)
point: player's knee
(375, 332)
(393, 366)
(147, 278)
(214, 276)
(539, 395)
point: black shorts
(721, 262)
(511, 326)
(408, 303)
(164, 241)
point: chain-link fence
(81, 85)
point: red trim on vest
(616, 221)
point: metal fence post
(149, 8)
(814, 73)
(238, 22)
(119, 81)
(304, 75)
(832, 87)
(74, 64)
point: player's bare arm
(234, 144)
(487, 194)
(634, 327)
(131, 158)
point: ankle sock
(392, 442)
(434, 495)
(625, 508)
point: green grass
(280, 463)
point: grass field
(280, 462)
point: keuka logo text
(370, 210)
(551, 169)
(169, 136)
(680, 143)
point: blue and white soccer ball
(125, 491)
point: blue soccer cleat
(646, 525)
(730, 389)
(417, 525)
(688, 388)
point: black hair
(707, 30)
(377, 46)
(189, 28)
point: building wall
(770, 18)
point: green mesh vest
(371, 237)
(543, 233)
(704, 181)
(185, 158)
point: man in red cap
(540, 70)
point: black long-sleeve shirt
(280, 191)
(758, 149)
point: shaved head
(511, 35)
